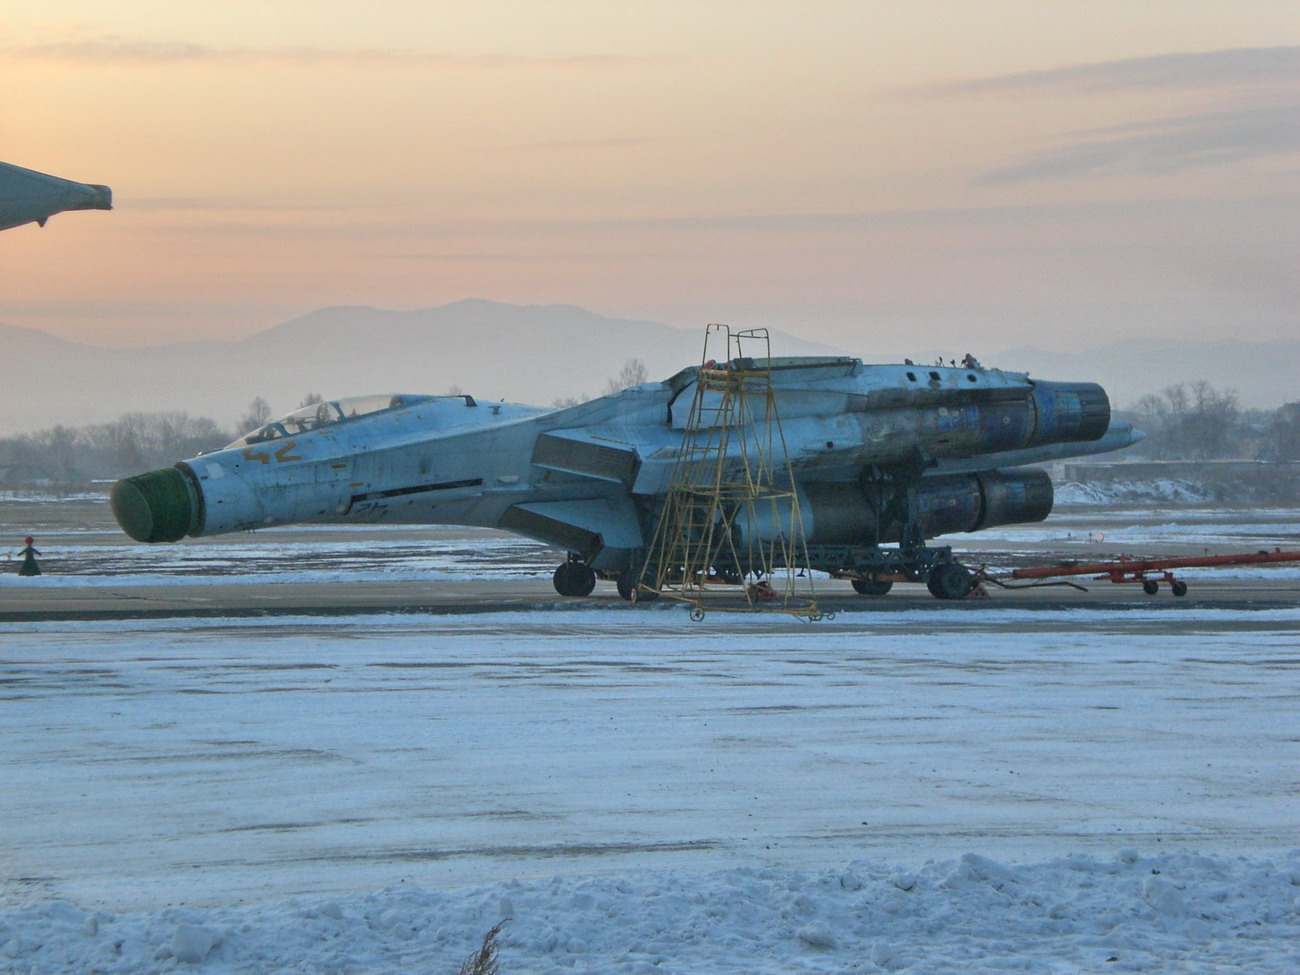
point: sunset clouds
(1182, 69)
(872, 174)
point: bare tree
(60, 444)
(259, 412)
(121, 441)
(311, 399)
(1286, 432)
(137, 440)
(1190, 422)
(567, 401)
(1211, 421)
(131, 443)
(633, 373)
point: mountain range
(528, 354)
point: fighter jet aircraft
(881, 458)
(27, 196)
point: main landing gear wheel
(574, 579)
(872, 587)
(950, 580)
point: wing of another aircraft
(27, 196)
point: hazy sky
(881, 175)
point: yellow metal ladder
(730, 536)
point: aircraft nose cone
(160, 506)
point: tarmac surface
(340, 571)
(44, 602)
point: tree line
(1197, 421)
(72, 457)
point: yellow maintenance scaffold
(730, 536)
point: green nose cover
(160, 506)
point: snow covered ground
(1157, 490)
(1172, 913)
(985, 791)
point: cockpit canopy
(308, 418)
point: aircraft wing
(1117, 437)
(27, 196)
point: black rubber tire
(560, 579)
(950, 580)
(871, 587)
(625, 583)
(626, 579)
(574, 579)
(1150, 587)
(586, 581)
(1178, 587)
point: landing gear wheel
(1150, 587)
(697, 613)
(871, 587)
(950, 580)
(629, 589)
(1178, 587)
(625, 584)
(574, 579)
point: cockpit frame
(328, 413)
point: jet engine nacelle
(851, 514)
(1069, 412)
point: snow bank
(1177, 912)
(1168, 490)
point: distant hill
(1264, 374)
(527, 354)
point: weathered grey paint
(577, 477)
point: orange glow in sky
(870, 173)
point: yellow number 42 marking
(281, 456)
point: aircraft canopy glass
(308, 418)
